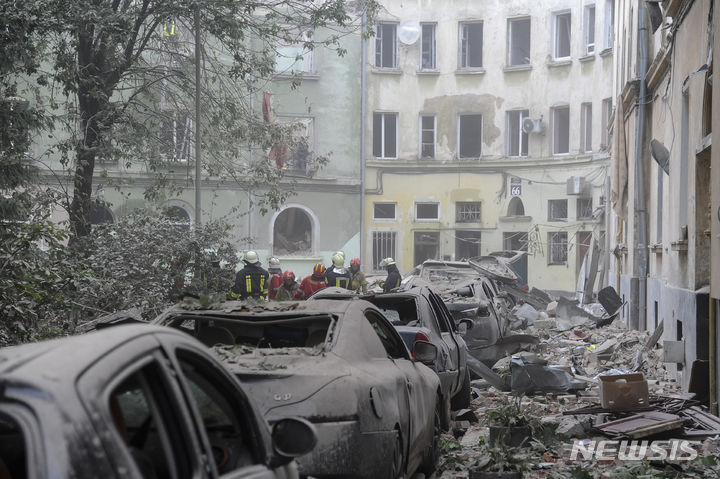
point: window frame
(471, 204)
(553, 112)
(432, 26)
(300, 46)
(550, 210)
(552, 237)
(380, 41)
(378, 236)
(458, 238)
(609, 25)
(586, 127)
(522, 137)
(186, 145)
(459, 135)
(588, 27)
(510, 22)
(555, 35)
(427, 220)
(607, 111)
(383, 116)
(579, 209)
(422, 129)
(394, 218)
(464, 51)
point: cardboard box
(624, 392)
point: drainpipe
(641, 252)
(251, 155)
(363, 77)
(712, 328)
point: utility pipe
(712, 330)
(198, 210)
(363, 78)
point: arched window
(177, 213)
(100, 214)
(292, 233)
(516, 207)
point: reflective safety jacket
(308, 286)
(337, 277)
(251, 281)
(285, 293)
(358, 283)
(275, 282)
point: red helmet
(319, 270)
(355, 261)
(288, 275)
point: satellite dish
(409, 32)
(660, 154)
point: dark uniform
(337, 277)
(251, 281)
(393, 279)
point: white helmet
(386, 262)
(338, 259)
(250, 257)
(274, 262)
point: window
(561, 35)
(386, 45)
(394, 347)
(428, 136)
(470, 136)
(586, 127)
(609, 23)
(295, 56)
(606, 115)
(519, 41)
(561, 130)
(384, 211)
(589, 29)
(428, 52)
(301, 142)
(292, 233)
(584, 208)
(517, 139)
(467, 244)
(471, 45)
(385, 135)
(557, 210)
(557, 247)
(516, 207)
(176, 136)
(468, 212)
(427, 246)
(427, 211)
(383, 244)
(178, 216)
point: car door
(447, 330)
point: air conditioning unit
(578, 185)
(531, 125)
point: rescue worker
(276, 278)
(358, 283)
(393, 280)
(252, 280)
(312, 283)
(337, 275)
(289, 288)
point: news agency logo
(670, 450)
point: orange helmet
(288, 275)
(319, 270)
(355, 261)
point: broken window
(302, 142)
(609, 23)
(516, 207)
(589, 28)
(519, 41)
(470, 136)
(428, 55)
(383, 246)
(561, 35)
(176, 136)
(606, 115)
(557, 210)
(467, 244)
(427, 211)
(468, 212)
(557, 247)
(586, 127)
(471, 45)
(561, 130)
(386, 45)
(584, 241)
(517, 139)
(584, 208)
(295, 56)
(427, 136)
(384, 211)
(427, 246)
(292, 233)
(385, 135)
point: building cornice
(658, 69)
(490, 164)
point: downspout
(641, 252)
(363, 77)
(712, 357)
(251, 155)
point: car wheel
(398, 458)
(462, 399)
(432, 456)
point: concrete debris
(571, 426)
(526, 312)
(552, 308)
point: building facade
(486, 130)
(662, 218)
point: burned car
(419, 314)
(339, 364)
(135, 401)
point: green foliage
(501, 458)
(508, 411)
